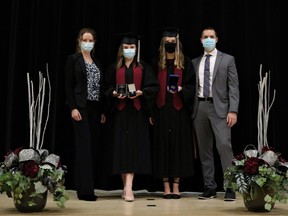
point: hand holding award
(173, 83)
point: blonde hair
(179, 58)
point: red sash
(137, 78)
(160, 100)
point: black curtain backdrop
(39, 32)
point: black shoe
(176, 196)
(168, 196)
(91, 197)
(208, 194)
(229, 195)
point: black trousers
(87, 137)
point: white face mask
(129, 53)
(209, 43)
(87, 46)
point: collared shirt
(201, 72)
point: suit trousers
(86, 140)
(210, 129)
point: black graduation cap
(170, 32)
(129, 38)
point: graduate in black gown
(173, 149)
(131, 112)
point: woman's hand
(151, 120)
(138, 93)
(75, 114)
(103, 118)
(119, 96)
(173, 92)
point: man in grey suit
(215, 109)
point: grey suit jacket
(225, 85)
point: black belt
(209, 99)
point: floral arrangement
(34, 168)
(24, 168)
(261, 167)
(268, 171)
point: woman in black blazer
(83, 88)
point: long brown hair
(120, 58)
(80, 36)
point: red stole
(137, 78)
(160, 100)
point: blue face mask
(87, 46)
(209, 43)
(129, 53)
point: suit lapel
(81, 62)
(217, 63)
(197, 68)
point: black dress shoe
(167, 196)
(229, 195)
(91, 197)
(176, 196)
(208, 194)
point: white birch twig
(48, 106)
(264, 106)
(36, 110)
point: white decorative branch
(36, 110)
(48, 106)
(264, 106)
(30, 111)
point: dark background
(39, 32)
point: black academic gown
(173, 148)
(131, 148)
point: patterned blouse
(93, 81)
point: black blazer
(76, 81)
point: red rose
(30, 169)
(281, 159)
(251, 166)
(240, 157)
(18, 150)
(267, 148)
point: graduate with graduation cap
(173, 150)
(131, 110)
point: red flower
(281, 159)
(16, 152)
(240, 157)
(251, 166)
(267, 148)
(30, 169)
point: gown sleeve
(188, 84)
(150, 88)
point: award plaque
(173, 82)
(132, 90)
(121, 89)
